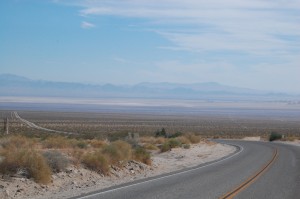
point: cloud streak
(198, 25)
(87, 25)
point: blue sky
(253, 44)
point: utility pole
(6, 125)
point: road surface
(281, 179)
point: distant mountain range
(13, 85)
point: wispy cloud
(87, 25)
(263, 34)
(199, 25)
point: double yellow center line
(251, 179)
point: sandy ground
(76, 181)
(295, 142)
(257, 138)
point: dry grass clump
(96, 161)
(160, 140)
(77, 156)
(57, 142)
(148, 139)
(118, 151)
(150, 146)
(194, 139)
(18, 141)
(152, 140)
(142, 155)
(28, 160)
(183, 140)
(95, 143)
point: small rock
(19, 190)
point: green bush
(169, 144)
(275, 136)
(56, 160)
(174, 143)
(186, 146)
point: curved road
(214, 180)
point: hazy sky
(245, 43)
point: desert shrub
(160, 140)
(193, 138)
(118, 151)
(31, 161)
(186, 146)
(56, 160)
(97, 143)
(169, 144)
(58, 142)
(275, 136)
(174, 143)
(175, 135)
(150, 147)
(147, 139)
(77, 155)
(15, 142)
(142, 155)
(82, 144)
(183, 140)
(96, 161)
(115, 136)
(165, 147)
(161, 133)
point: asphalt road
(213, 180)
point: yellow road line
(251, 179)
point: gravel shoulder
(78, 180)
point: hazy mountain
(12, 85)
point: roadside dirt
(78, 180)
